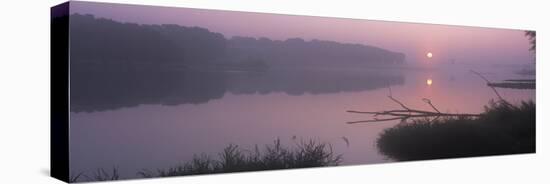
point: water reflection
(114, 87)
(251, 109)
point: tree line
(104, 41)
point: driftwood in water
(407, 113)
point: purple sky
(464, 44)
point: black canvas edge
(59, 92)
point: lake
(136, 121)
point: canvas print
(163, 91)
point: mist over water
(473, 45)
(150, 92)
(160, 130)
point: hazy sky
(464, 44)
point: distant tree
(108, 43)
(100, 40)
(298, 52)
(532, 39)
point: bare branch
(398, 102)
(492, 87)
(408, 113)
(373, 120)
(429, 102)
(481, 76)
(488, 82)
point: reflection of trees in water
(111, 89)
(115, 64)
(115, 87)
(310, 82)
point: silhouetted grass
(102, 175)
(234, 159)
(502, 129)
(75, 177)
(98, 175)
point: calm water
(138, 124)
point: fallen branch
(407, 113)
(429, 102)
(375, 120)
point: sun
(429, 82)
(429, 55)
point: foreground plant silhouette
(501, 129)
(98, 175)
(234, 159)
(407, 113)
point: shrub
(501, 129)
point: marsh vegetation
(303, 154)
(501, 129)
